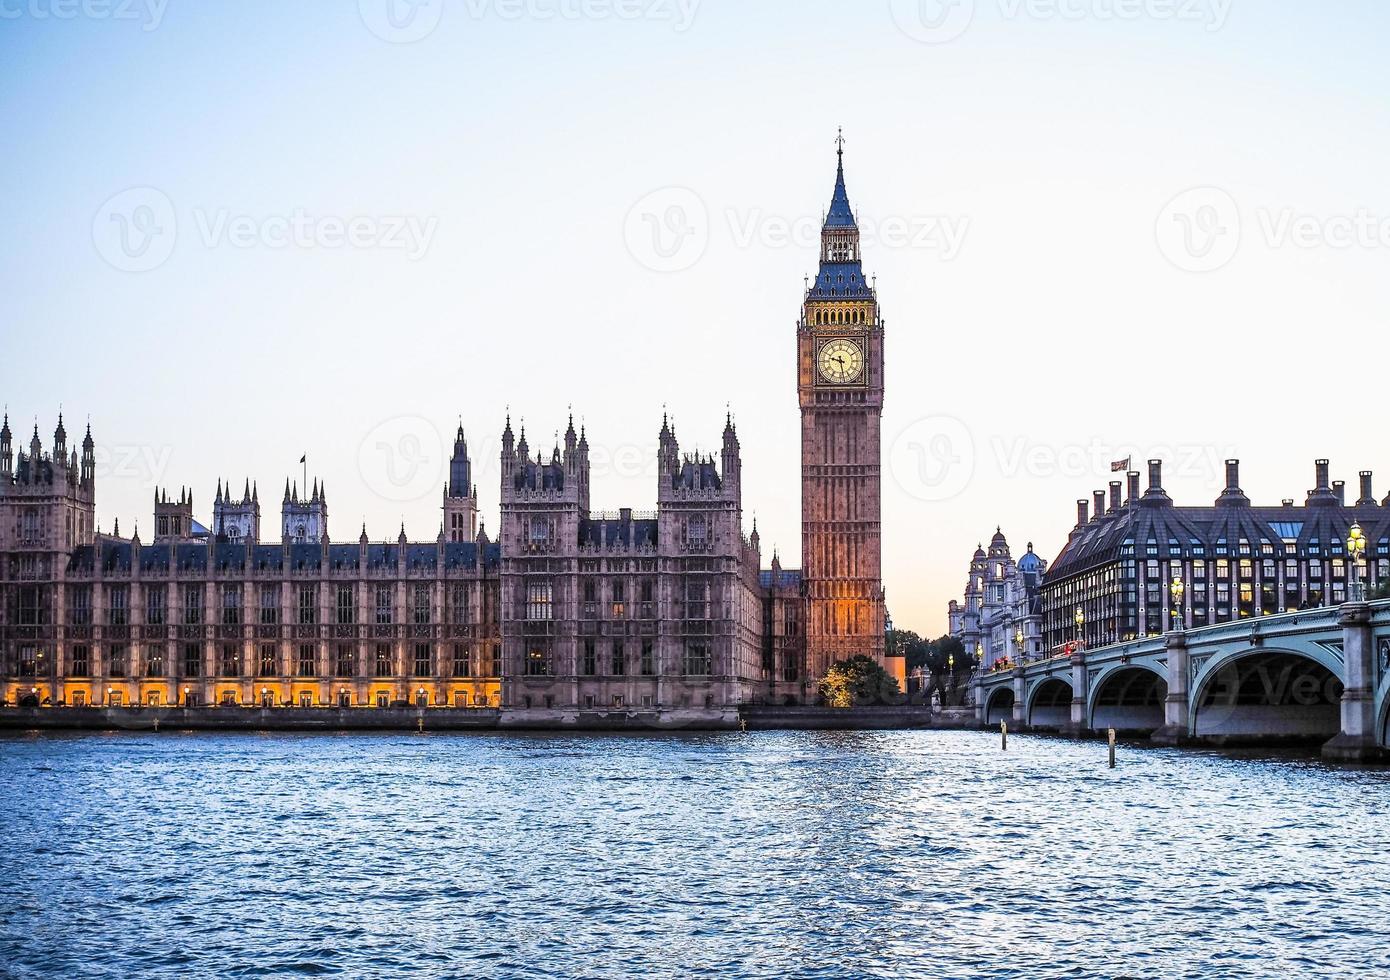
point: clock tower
(839, 346)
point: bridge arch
(1129, 698)
(999, 706)
(1268, 692)
(1049, 703)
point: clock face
(841, 362)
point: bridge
(1319, 674)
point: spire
(246, 493)
(840, 215)
(287, 489)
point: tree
(858, 681)
(1382, 591)
(910, 646)
(949, 665)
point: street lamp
(1178, 589)
(1356, 548)
(1080, 620)
(1019, 640)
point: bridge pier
(1358, 740)
(1177, 710)
(1020, 706)
(1079, 693)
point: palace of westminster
(567, 609)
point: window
(589, 666)
(80, 605)
(619, 656)
(154, 660)
(155, 602)
(538, 600)
(230, 661)
(79, 664)
(192, 660)
(422, 660)
(346, 610)
(270, 605)
(343, 662)
(462, 665)
(383, 660)
(458, 603)
(266, 664)
(383, 605)
(696, 531)
(538, 662)
(421, 606)
(696, 659)
(192, 605)
(308, 606)
(306, 660)
(696, 600)
(120, 607)
(28, 661)
(231, 605)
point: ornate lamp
(1356, 549)
(1178, 589)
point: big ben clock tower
(839, 345)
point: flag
(1121, 465)
(304, 458)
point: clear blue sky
(517, 138)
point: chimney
(1287, 501)
(1339, 490)
(1133, 478)
(1155, 493)
(1115, 487)
(1368, 497)
(1082, 508)
(1233, 494)
(1100, 503)
(1323, 468)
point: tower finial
(840, 145)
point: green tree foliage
(858, 681)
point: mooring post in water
(1004, 736)
(156, 724)
(420, 725)
(1112, 748)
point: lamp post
(1178, 589)
(1356, 550)
(1080, 620)
(1019, 641)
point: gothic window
(308, 605)
(383, 605)
(538, 600)
(120, 609)
(154, 660)
(383, 660)
(697, 661)
(589, 666)
(231, 605)
(696, 531)
(422, 660)
(116, 657)
(154, 605)
(619, 658)
(192, 660)
(79, 665)
(266, 665)
(458, 603)
(696, 599)
(230, 665)
(619, 590)
(537, 663)
(421, 605)
(347, 612)
(306, 660)
(80, 605)
(344, 666)
(462, 664)
(270, 605)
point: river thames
(914, 854)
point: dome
(1030, 562)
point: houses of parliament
(566, 609)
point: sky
(237, 234)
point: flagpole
(305, 460)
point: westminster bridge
(1316, 674)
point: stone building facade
(1235, 560)
(569, 609)
(1000, 616)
